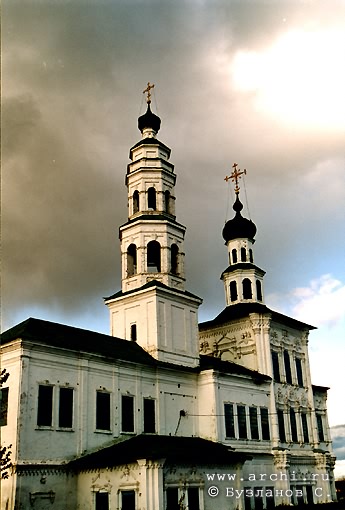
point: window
(229, 420)
(193, 498)
(247, 289)
(253, 420)
(136, 202)
(127, 413)
(182, 498)
(293, 424)
(153, 257)
(167, 201)
(149, 415)
(270, 498)
(172, 499)
(320, 427)
(131, 260)
(3, 406)
(242, 422)
(128, 500)
(309, 491)
(174, 259)
(233, 291)
(151, 198)
(275, 364)
(102, 410)
(281, 426)
(66, 407)
(265, 427)
(133, 332)
(258, 290)
(102, 501)
(287, 367)
(45, 406)
(299, 372)
(243, 255)
(251, 255)
(234, 255)
(258, 500)
(305, 427)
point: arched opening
(174, 259)
(247, 289)
(131, 260)
(243, 255)
(258, 290)
(233, 291)
(136, 201)
(251, 255)
(153, 257)
(234, 255)
(167, 202)
(151, 198)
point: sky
(256, 82)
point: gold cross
(148, 89)
(235, 176)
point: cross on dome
(235, 176)
(148, 91)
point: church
(166, 413)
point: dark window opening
(66, 407)
(172, 499)
(242, 422)
(251, 255)
(102, 501)
(153, 257)
(102, 410)
(229, 420)
(293, 424)
(299, 372)
(320, 427)
(45, 406)
(243, 255)
(287, 367)
(281, 426)
(253, 420)
(275, 364)
(174, 259)
(167, 202)
(234, 255)
(131, 260)
(149, 416)
(136, 207)
(270, 498)
(233, 291)
(258, 500)
(127, 500)
(309, 491)
(3, 406)
(151, 198)
(127, 413)
(193, 498)
(305, 427)
(258, 290)
(247, 289)
(265, 426)
(133, 332)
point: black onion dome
(149, 120)
(238, 227)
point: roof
(171, 448)
(321, 389)
(68, 337)
(228, 367)
(241, 310)
(243, 265)
(148, 285)
(149, 141)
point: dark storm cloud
(73, 77)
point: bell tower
(243, 280)
(153, 307)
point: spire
(149, 123)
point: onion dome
(238, 227)
(149, 121)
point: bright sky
(260, 83)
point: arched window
(233, 291)
(131, 260)
(151, 198)
(174, 259)
(258, 290)
(234, 255)
(243, 255)
(167, 202)
(153, 257)
(136, 201)
(247, 289)
(251, 255)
